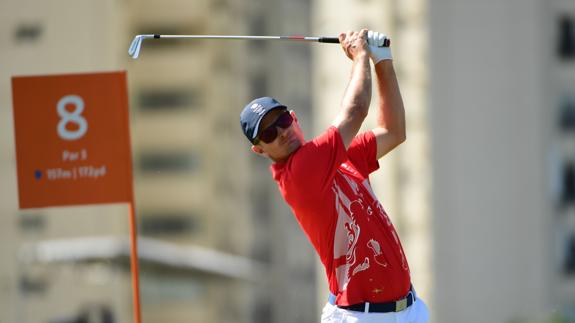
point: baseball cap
(254, 112)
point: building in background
(190, 175)
(52, 38)
(502, 84)
(218, 243)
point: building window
(31, 284)
(158, 287)
(168, 99)
(262, 311)
(569, 266)
(31, 222)
(168, 162)
(568, 184)
(219, 5)
(566, 37)
(259, 85)
(567, 115)
(257, 27)
(93, 313)
(167, 223)
(27, 33)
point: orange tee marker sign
(72, 139)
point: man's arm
(357, 97)
(390, 130)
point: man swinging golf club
(326, 183)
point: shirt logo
(257, 109)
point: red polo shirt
(329, 192)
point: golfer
(326, 183)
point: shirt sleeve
(363, 153)
(316, 162)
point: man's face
(287, 141)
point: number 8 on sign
(71, 117)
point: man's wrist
(384, 63)
(361, 56)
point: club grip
(335, 40)
(332, 40)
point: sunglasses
(269, 134)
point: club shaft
(294, 38)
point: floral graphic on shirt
(352, 237)
(377, 254)
(377, 205)
(346, 236)
(356, 203)
(361, 267)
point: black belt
(387, 307)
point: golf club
(136, 45)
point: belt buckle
(401, 305)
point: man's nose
(282, 132)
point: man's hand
(354, 44)
(377, 52)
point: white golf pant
(416, 313)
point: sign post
(73, 145)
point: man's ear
(257, 149)
(260, 151)
(292, 112)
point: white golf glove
(377, 52)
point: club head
(136, 45)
